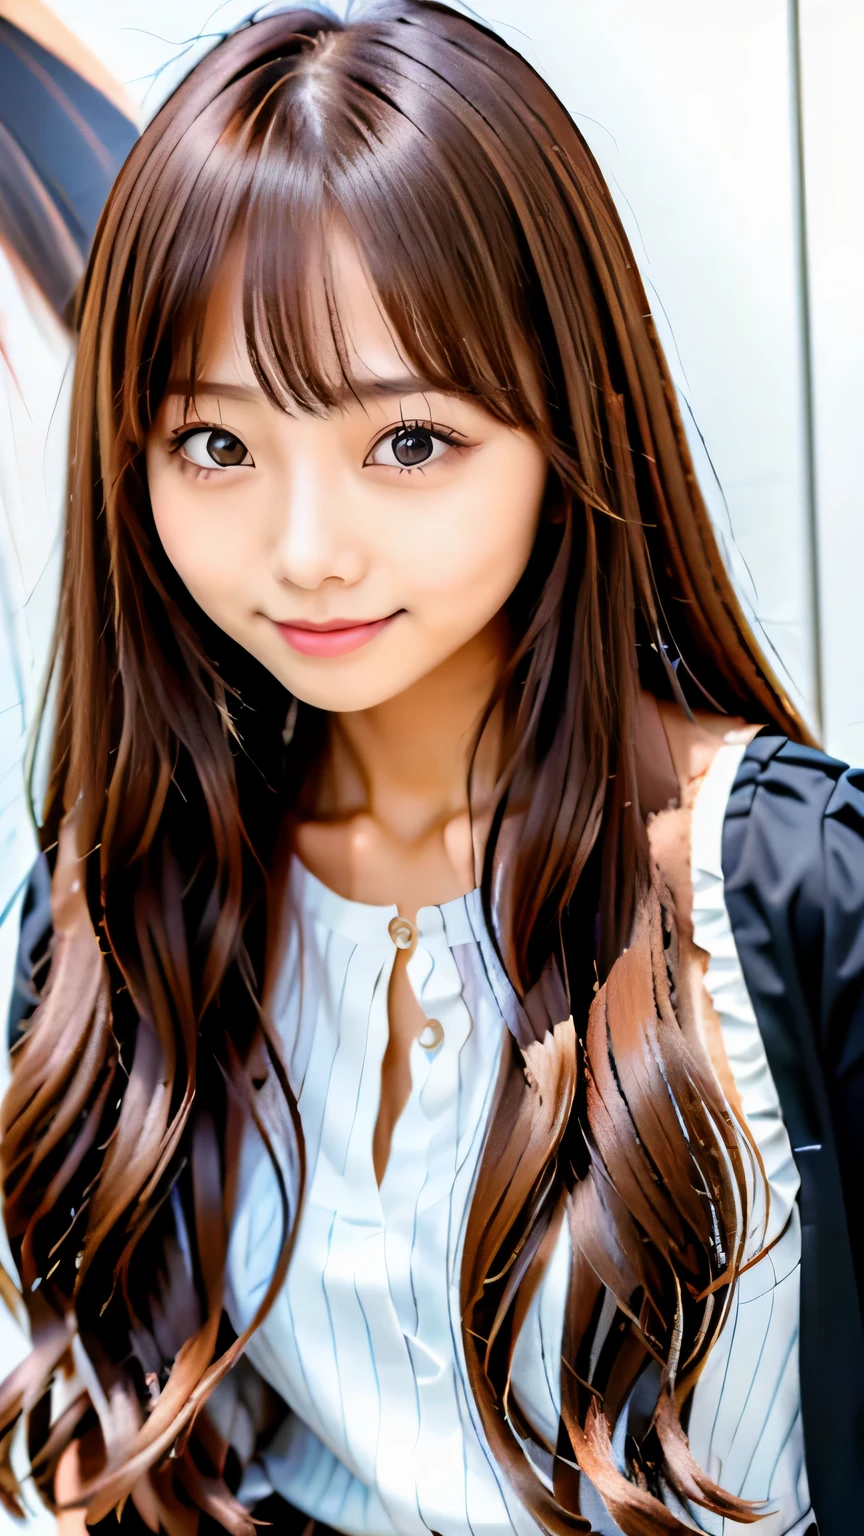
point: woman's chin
(342, 689)
(363, 679)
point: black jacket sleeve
(841, 1001)
(793, 862)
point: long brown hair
(497, 254)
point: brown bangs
(315, 140)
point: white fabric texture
(363, 1341)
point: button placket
(402, 932)
(404, 935)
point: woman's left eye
(411, 446)
(213, 448)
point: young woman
(416, 1131)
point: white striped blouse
(363, 1342)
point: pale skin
(320, 522)
(312, 521)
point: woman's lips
(335, 638)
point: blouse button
(401, 931)
(430, 1037)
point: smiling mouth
(335, 637)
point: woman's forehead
(294, 316)
(355, 343)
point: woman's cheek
(194, 556)
(464, 601)
(475, 571)
(207, 544)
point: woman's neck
(405, 762)
(388, 817)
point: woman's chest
(396, 1238)
(363, 1340)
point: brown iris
(225, 449)
(411, 446)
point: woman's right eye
(213, 448)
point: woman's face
(352, 554)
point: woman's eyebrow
(365, 387)
(214, 388)
(404, 384)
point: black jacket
(793, 862)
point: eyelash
(447, 435)
(442, 434)
(181, 435)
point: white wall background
(832, 58)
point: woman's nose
(314, 540)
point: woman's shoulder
(783, 792)
(694, 741)
(675, 758)
(800, 784)
(791, 830)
